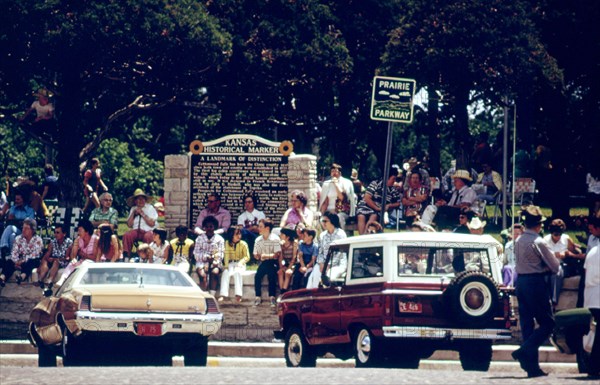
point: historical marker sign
(392, 99)
(235, 165)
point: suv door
(325, 326)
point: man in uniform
(535, 262)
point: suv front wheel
(297, 351)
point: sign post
(391, 101)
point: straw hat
(43, 92)
(137, 193)
(463, 174)
(476, 224)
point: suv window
(337, 263)
(438, 260)
(367, 262)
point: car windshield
(441, 260)
(135, 276)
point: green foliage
(127, 167)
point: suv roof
(411, 236)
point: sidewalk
(501, 353)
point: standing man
(535, 262)
(142, 220)
(337, 195)
(214, 209)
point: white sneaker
(257, 301)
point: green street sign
(392, 99)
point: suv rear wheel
(297, 351)
(366, 351)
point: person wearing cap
(214, 209)
(141, 220)
(105, 213)
(337, 195)
(535, 262)
(25, 254)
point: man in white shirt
(249, 221)
(341, 190)
(142, 220)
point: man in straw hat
(142, 220)
(535, 262)
(462, 198)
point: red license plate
(410, 307)
(149, 329)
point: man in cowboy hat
(142, 220)
(535, 262)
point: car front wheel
(365, 349)
(297, 351)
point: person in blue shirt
(18, 212)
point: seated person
(214, 209)
(492, 183)
(18, 212)
(369, 208)
(298, 213)
(159, 246)
(307, 257)
(56, 257)
(209, 252)
(237, 255)
(107, 248)
(142, 220)
(105, 213)
(82, 250)
(266, 250)
(249, 220)
(337, 195)
(414, 198)
(25, 254)
(287, 258)
(462, 197)
(181, 250)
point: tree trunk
(433, 130)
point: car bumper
(445, 333)
(90, 322)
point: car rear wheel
(476, 356)
(365, 349)
(197, 352)
(472, 298)
(297, 351)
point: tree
(466, 49)
(107, 63)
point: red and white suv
(400, 297)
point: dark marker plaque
(235, 165)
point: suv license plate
(410, 307)
(149, 329)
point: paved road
(263, 373)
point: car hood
(163, 299)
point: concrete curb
(501, 353)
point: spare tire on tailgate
(472, 298)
